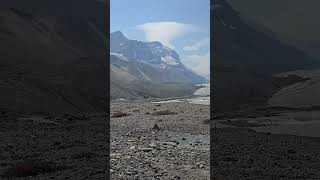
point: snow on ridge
(169, 60)
(163, 66)
(121, 56)
(167, 48)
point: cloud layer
(165, 32)
(198, 63)
(203, 43)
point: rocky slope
(248, 57)
(284, 16)
(53, 56)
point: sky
(183, 25)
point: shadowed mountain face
(148, 68)
(246, 57)
(294, 21)
(53, 56)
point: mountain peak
(119, 36)
(117, 32)
(157, 43)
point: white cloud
(204, 42)
(165, 32)
(198, 63)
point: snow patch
(205, 91)
(169, 60)
(121, 56)
(167, 48)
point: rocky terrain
(150, 141)
(51, 51)
(290, 20)
(249, 57)
(278, 141)
(53, 64)
(171, 141)
(241, 153)
(159, 141)
(43, 146)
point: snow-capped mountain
(149, 52)
(138, 64)
(163, 59)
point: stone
(146, 149)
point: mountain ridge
(138, 62)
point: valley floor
(159, 141)
(180, 146)
(242, 153)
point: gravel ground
(172, 145)
(149, 141)
(240, 153)
(47, 147)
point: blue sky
(183, 25)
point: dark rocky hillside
(53, 56)
(245, 59)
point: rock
(152, 145)
(291, 151)
(156, 127)
(56, 143)
(146, 149)
(9, 146)
(170, 143)
(132, 147)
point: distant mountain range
(148, 68)
(246, 56)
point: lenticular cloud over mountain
(165, 32)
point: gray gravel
(76, 145)
(177, 147)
